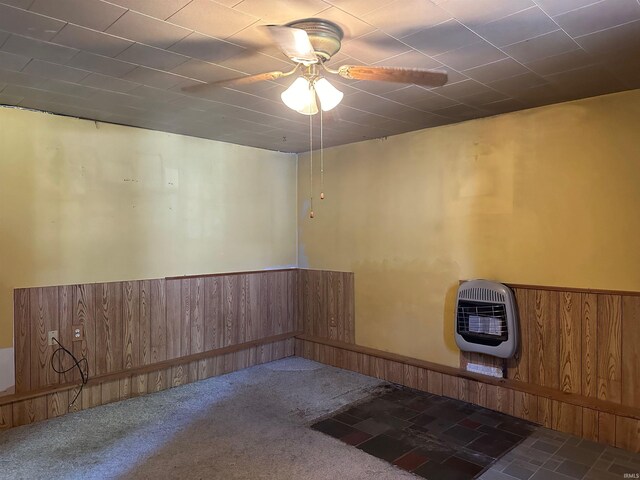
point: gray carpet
(251, 424)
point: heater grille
(485, 318)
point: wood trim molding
(632, 293)
(524, 387)
(147, 368)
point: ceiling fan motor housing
(325, 36)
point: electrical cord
(84, 375)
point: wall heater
(486, 319)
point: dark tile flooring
(432, 436)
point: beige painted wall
(549, 196)
(85, 202)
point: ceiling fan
(310, 43)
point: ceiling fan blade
(233, 82)
(429, 78)
(294, 42)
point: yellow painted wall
(549, 196)
(85, 202)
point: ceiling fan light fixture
(329, 95)
(297, 95)
(310, 107)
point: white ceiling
(125, 62)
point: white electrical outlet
(51, 335)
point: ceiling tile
(599, 16)
(460, 90)
(470, 56)
(374, 47)
(153, 78)
(33, 48)
(159, 9)
(555, 7)
(20, 78)
(15, 20)
(560, 63)
(479, 12)
(359, 7)
(152, 57)
(94, 14)
(100, 64)
(212, 19)
(459, 112)
(351, 26)
(517, 27)
(412, 59)
(9, 61)
(483, 98)
(7, 99)
(253, 62)
(204, 71)
(55, 71)
(624, 39)
(68, 88)
(91, 41)
(497, 70)
(442, 38)
(504, 106)
(207, 48)
(106, 82)
(517, 83)
(147, 30)
(545, 45)
(281, 11)
(404, 17)
(24, 4)
(3, 37)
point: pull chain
(311, 214)
(321, 159)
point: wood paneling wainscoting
(148, 335)
(577, 369)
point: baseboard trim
(515, 385)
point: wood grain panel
(606, 428)
(44, 318)
(22, 340)
(57, 404)
(631, 350)
(410, 376)
(609, 348)
(29, 411)
(91, 396)
(131, 323)
(109, 331)
(158, 321)
(110, 392)
(65, 322)
(450, 386)
(545, 412)
(84, 314)
(214, 326)
(499, 399)
(544, 352)
(435, 383)
(125, 387)
(231, 308)
(566, 418)
(589, 343)
(628, 434)
(6, 416)
(570, 342)
(174, 318)
(185, 317)
(145, 323)
(525, 406)
(590, 424)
